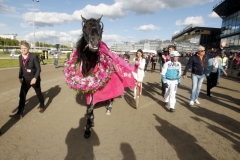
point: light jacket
(171, 71)
(140, 69)
(210, 67)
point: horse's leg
(90, 122)
(109, 106)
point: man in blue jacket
(197, 62)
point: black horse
(88, 55)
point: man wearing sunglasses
(197, 62)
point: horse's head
(92, 32)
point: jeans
(196, 86)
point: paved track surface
(207, 131)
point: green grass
(7, 63)
(5, 55)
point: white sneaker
(191, 103)
(196, 101)
(108, 112)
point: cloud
(24, 25)
(51, 37)
(111, 11)
(5, 8)
(147, 27)
(152, 6)
(111, 38)
(197, 21)
(2, 25)
(117, 10)
(53, 18)
(213, 15)
(76, 32)
(176, 32)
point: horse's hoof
(108, 112)
(87, 134)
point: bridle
(93, 22)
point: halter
(92, 21)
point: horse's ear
(83, 19)
(99, 19)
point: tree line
(14, 42)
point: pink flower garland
(92, 82)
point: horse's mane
(88, 58)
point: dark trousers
(153, 66)
(161, 65)
(163, 90)
(23, 93)
(41, 60)
(211, 82)
(145, 68)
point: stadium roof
(227, 7)
(191, 28)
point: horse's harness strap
(85, 47)
(93, 25)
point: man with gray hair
(197, 62)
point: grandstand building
(191, 37)
(229, 11)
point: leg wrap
(90, 116)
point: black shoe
(172, 110)
(41, 110)
(87, 134)
(16, 116)
(165, 104)
(209, 96)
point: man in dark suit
(29, 76)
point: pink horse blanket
(122, 77)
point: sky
(59, 21)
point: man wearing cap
(171, 76)
(198, 64)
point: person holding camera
(171, 77)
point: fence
(233, 66)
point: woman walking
(139, 63)
(213, 72)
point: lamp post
(34, 24)
(4, 41)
